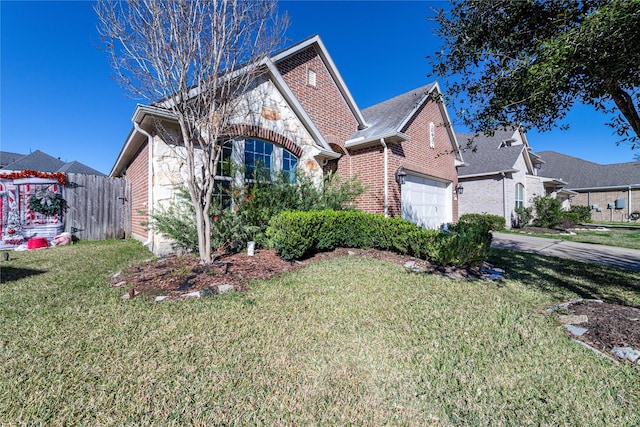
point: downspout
(504, 197)
(629, 204)
(137, 127)
(386, 178)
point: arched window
(519, 195)
(246, 155)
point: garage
(426, 202)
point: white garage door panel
(426, 202)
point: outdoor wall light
(459, 189)
(400, 175)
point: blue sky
(57, 94)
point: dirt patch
(609, 325)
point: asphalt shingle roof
(42, 162)
(483, 155)
(578, 173)
(6, 158)
(388, 116)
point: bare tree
(195, 59)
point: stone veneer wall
(263, 113)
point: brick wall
(138, 174)
(603, 198)
(323, 102)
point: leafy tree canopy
(528, 61)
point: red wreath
(60, 176)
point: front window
(519, 195)
(242, 158)
(258, 155)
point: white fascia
(476, 175)
(375, 140)
(138, 116)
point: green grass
(342, 341)
(621, 238)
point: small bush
(463, 244)
(568, 220)
(523, 216)
(295, 235)
(548, 212)
(488, 221)
(583, 212)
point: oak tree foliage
(527, 62)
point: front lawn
(342, 341)
(622, 238)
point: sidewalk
(608, 255)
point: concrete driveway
(608, 255)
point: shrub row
(295, 235)
(488, 221)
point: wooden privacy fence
(98, 207)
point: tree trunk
(624, 102)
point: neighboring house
(21, 176)
(303, 117)
(612, 191)
(501, 173)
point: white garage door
(426, 202)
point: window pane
(289, 165)
(224, 163)
(257, 155)
(221, 194)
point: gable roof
(43, 162)
(584, 175)
(485, 154)
(389, 118)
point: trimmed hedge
(295, 235)
(490, 221)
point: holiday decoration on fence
(46, 202)
(61, 177)
(13, 231)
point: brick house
(304, 118)
(612, 191)
(501, 173)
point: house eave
(375, 140)
(499, 172)
(611, 187)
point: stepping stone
(225, 288)
(626, 353)
(161, 298)
(575, 330)
(195, 294)
(573, 319)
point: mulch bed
(609, 325)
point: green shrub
(246, 212)
(488, 221)
(548, 212)
(523, 216)
(584, 212)
(295, 235)
(568, 220)
(177, 222)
